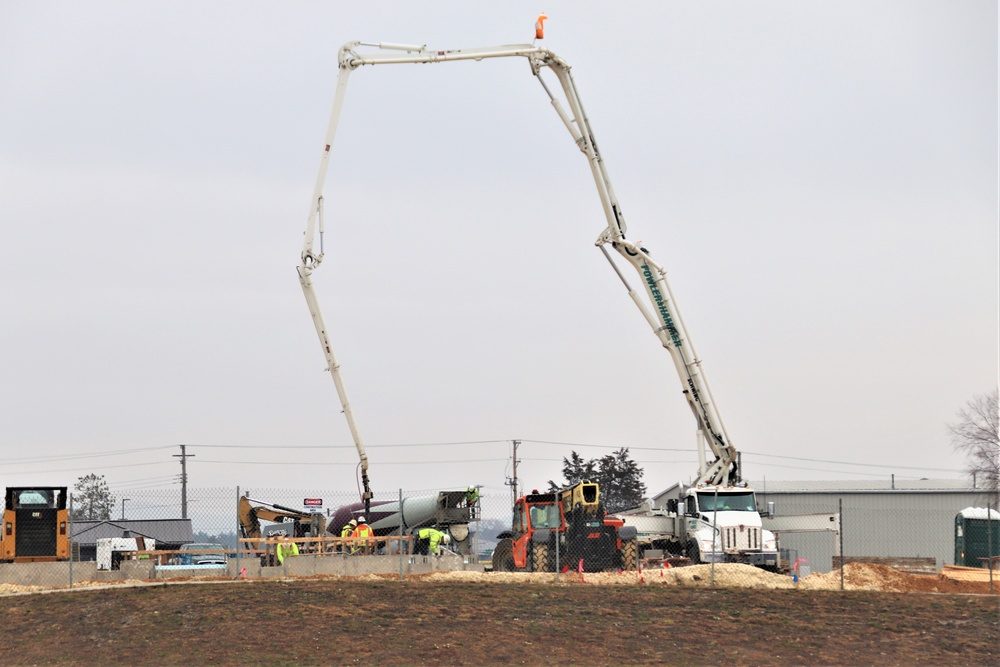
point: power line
(628, 447)
(849, 472)
(72, 457)
(848, 463)
(103, 467)
(382, 446)
(354, 463)
(147, 479)
(121, 452)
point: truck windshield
(727, 502)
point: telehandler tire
(503, 556)
(630, 555)
(540, 558)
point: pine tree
(92, 500)
(621, 481)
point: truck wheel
(694, 553)
(503, 556)
(630, 554)
(540, 557)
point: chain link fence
(156, 534)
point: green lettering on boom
(661, 305)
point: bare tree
(975, 435)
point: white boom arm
(663, 316)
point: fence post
(238, 528)
(558, 526)
(715, 530)
(70, 529)
(399, 544)
(840, 536)
(989, 541)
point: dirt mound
(863, 577)
(729, 575)
(7, 589)
(857, 577)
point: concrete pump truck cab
(715, 518)
(707, 524)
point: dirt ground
(672, 617)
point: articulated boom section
(662, 316)
(583, 499)
(668, 326)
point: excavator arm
(252, 512)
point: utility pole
(183, 456)
(512, 482)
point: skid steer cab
(565, 530)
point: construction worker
(346, 532)
(428, 540)
(361, 534)
(286, 548)
(471, 498)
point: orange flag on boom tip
(540, 26)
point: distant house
(168, 533)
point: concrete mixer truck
(449, 511)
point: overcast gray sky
(820, 180)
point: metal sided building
(168, 533)
(891, 519)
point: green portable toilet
(977, 536)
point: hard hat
(447, 538)
(361, 519)
(352, 522)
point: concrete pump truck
(714, 518)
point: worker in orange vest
(361, 535)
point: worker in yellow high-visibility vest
(429, 539)
(285, 549)
(346, 532)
